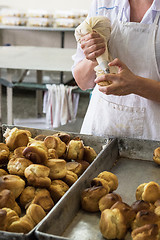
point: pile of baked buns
(35, 173)
(141, 219)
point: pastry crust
(146, 232)
(89, 154)
(27, 196)
(108, 200)
(70, 178)
(3, 172)
(110, 178)
(149, 192)
(52, 142)
(57, 168)
(17, 166)
(35, 213)
(4, 153)
(57, 189)
(156, 155)
(75, 150)
(3, 215)
(75, 167)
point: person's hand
(123, 83)
(93, 45)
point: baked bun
(89, 154)
(3, 216)
(140, 205)
(57, 168)
(144, 217)
(4, 153)
(3, 172)
(110, 178)
(108, 200)
(75, 150)
(156, 155)
(65, 137)
(20, 226)
(38, 175)
(18, 165)
(18, 152)
(11, 216)
(100, 182)
(7, 199)
(36, 152)
(57, 189)
(35, 213)
(52, 154)
(90, 198)
(15, 138)
(75, 167)
(84, 164)
(112, 224)
(146, 232)
(27, 196)
(13, 183)
(52, 142)
(70, 178)
(43, 198)
(149, 192)
(128, 213)
(40, 137)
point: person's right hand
(93, 45)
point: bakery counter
(11, 135)
(131, 160)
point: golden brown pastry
(18, 165)
(140, 205)
(75, 167)
(128, 213)
(11, 216)
(112, 224)
(156, 155)
(3, 216)
(35, 213)
(13, 183)
(18, 152)
(43, 198)
(108, 200)
(40, 137)
(52, 154)
(27, 196)
(57, 189)
(84, 164)
(4, 153)
(70, 178)
(57, 168)
(20, 226)
(65, 137)
(110, 178)
(90, 198)
(149, 192)
(89, 154)
(75, 150)
(7, 200)
(52, 142)
(146, 232)
(100, 182)
(3, 172)
(37, 175)
(144, 217)
(36, 152)
(15, 138)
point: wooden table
(32, 58)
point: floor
(24, 111)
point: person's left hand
(122, 83)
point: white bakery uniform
(138, 46)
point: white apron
(131, 115)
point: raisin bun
(149, 192)
(7, 199)
(36, 152)
(144, 217)
(12, 182)
(57, 189)
(156, 155)
(112, 224)
(4, 153)
(75, 150)
(38, 175)
(52, 142)
(57, 168)
(108, 200)
(89, 154)
(146, 232)
(15, 138)
(18, 165)
(110, 178)
(90, 198)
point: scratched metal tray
(131, 161)
(96, 142)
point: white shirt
(110, 9)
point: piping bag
(101, 25)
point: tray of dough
(38, 170)
(84, 215)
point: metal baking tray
(97, 143)
(131, 160)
